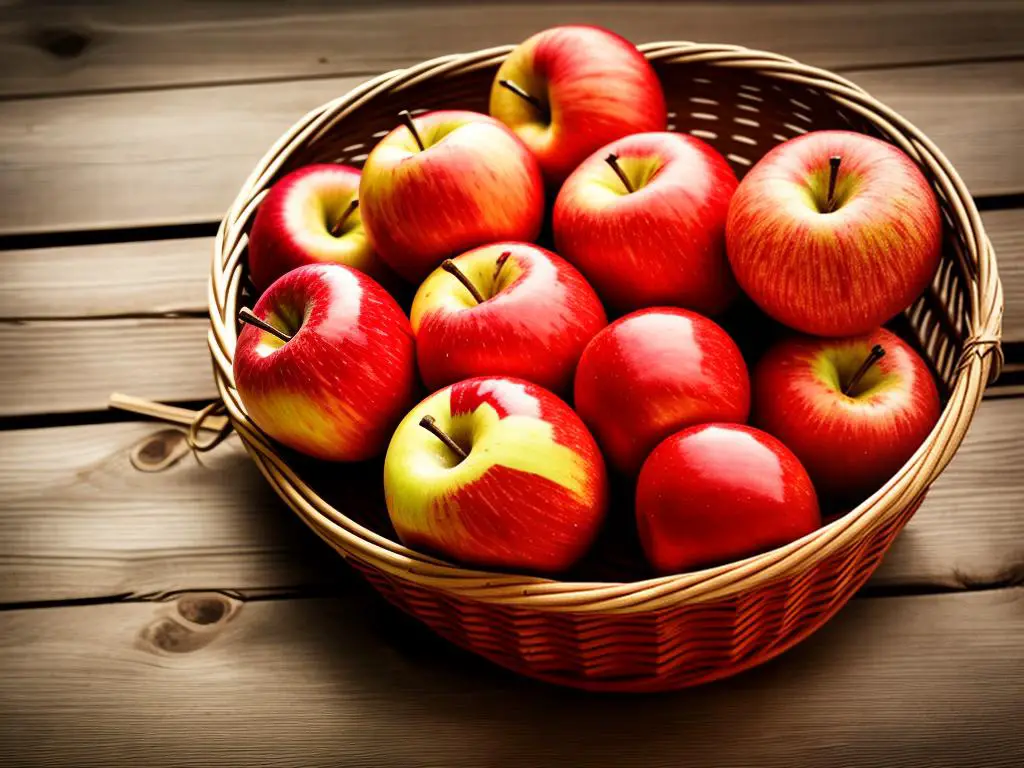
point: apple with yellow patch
(325, 363)
(496, 472)
(853, 410)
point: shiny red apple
(715, 493)
(446, 182)
(511, 309)
(643, 219)
(833, 233)
(497, 473)
(569, 90)
(854, 410)
(311, 216)
(654, 372)
(333, 367)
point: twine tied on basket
(981, 346)
(210, 418)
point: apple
(311, 216)
(643, 218)
(854, 409)
(446, 182)
(496, 472)
(654, 372)
(326, 363)
(715, 493)
(511, 309)
(569, 90)
(833, 233)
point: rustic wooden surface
(185, 617)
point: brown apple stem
(876, 354)
(522, 94)
(246, 316)
(613, 161)
(833, 175)
(411, 125)
(428, 423)
(500, 263)
(452, 268)
(336, 229)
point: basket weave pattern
(671, 631)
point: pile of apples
(831, 234)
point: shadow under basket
(648, 633)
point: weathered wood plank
(78, 521)
(156, 277)
(165, 157)
(1006, 231)
(58, 367)
(912, 681)
(80, 47)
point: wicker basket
(649, 633)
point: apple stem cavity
(340, 223)
(876, 354)
(246, 316)
(452, 268)
(613, 161)
(411, 125)
(428, 423)
(833, 175)
(519, 91)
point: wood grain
(1006, 231)
(59, 367)
(157, 277)
(912, 681)
(51, 48)
(78, 521)
(179, 156)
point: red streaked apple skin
(338, 387)
(662, 245)
(475, 183)
(851, 445)
(293, 225)
(716, 493)
(654, 372)
(598, 88)
(842, 273)
(531, 493)
(536, 319)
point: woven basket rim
(980, 360)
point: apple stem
(411, 125)
(833, 174)
(522, 94)
(876, 354)
(246, 316)
(500, 263)
(452, 268)
(336, 229)
(613, 161)
(428, 423)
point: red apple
(521, 311)
(310, 216)
(654, 372)
(853, 418)
(444, 183)
(643, 219)
(839, 263)
(715, 493)
(569, 90)
(333, 368)
(498, 473)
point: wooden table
(186, 617)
